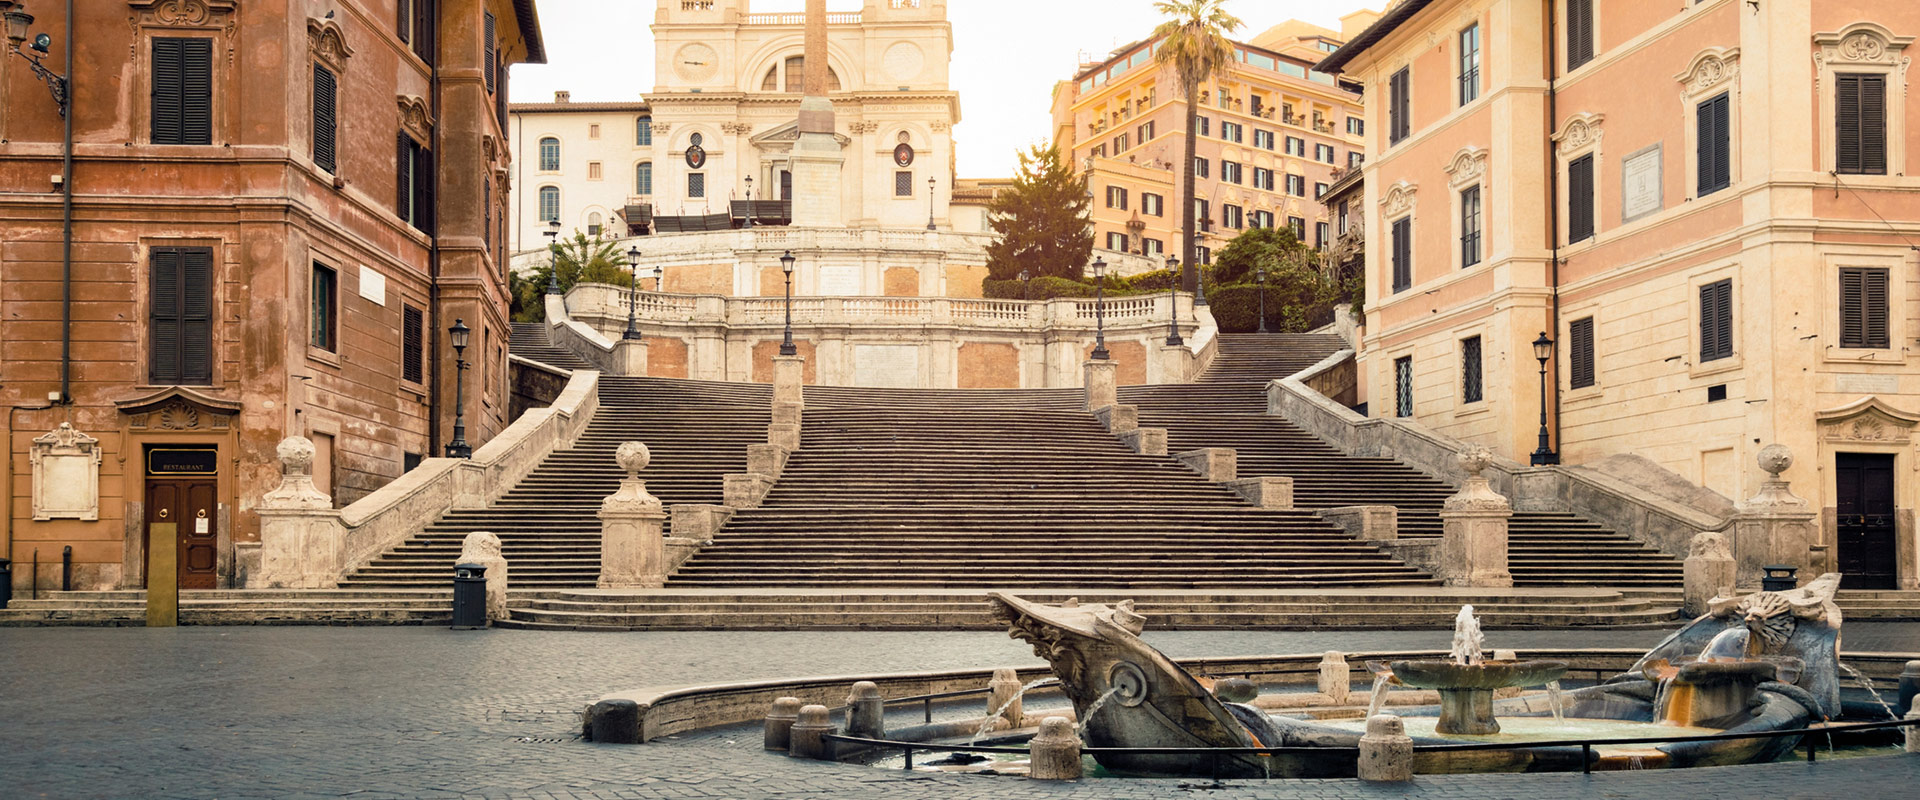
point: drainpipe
(1553, 212)
(66, 225)
(433, 242)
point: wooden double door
(192, 506)
(1864, 525)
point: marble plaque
(1640, 184)
(66, 475)
(373, 285)
(886, 365)
(1867, 384)
(839, 282)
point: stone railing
(307, 544)
(607, 304)
(764, 244)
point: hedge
(1236, 310)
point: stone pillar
(1101, 382)
(780, 719)
(805, 741)
(1146, 441)
(1003, 699)
(1909, 685)
(302, 541)
(1773, 526)
(1055, 752)
(1267, 492)
(1118, 417)
(866, 711)
(632, 542)
(1367, 523)
(1473, 550)
(1386, 751)
(483, 548)
(614, 721)
(1217, 464)
(1336, 677)
(787, 374)
(1709, 572)
(783, 431)
(631, 356)
(1176, 363)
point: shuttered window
(322, 323)
(182, 94)
(1403, 386)
(426, 21)
(1580, 334)
(1402, 242)
(180, 316)
(414, 183)
(1580, 199)
(1716, 320)
(1579, 33)
(1469, 226)
(492, 54)
(413, 330)
(325, 106)
(1860, 116)
(1399, 105)
(1470, 385)
(1863, 308)
(403, 20)
(1714, 148)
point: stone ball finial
(632, 457)
(1775, 459)
(1474, 459)
(296, 455)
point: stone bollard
(1054, 755)
(633, 548)
(780, 718)
(1336, 677)
(1386, 751)
(1709, 571)
(1003, 698)
(1473, 546)
(615, 722)
(1913, 731)
(866, 711)
(483, 548)
(806, 739)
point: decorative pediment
(182, 13)
(1868, 419)
(1397, 199)
(1861, 44)
(1711, 68)
(179, 408)
(328, 43)
(1467, 166)
(415, 119)
(1580, 132)
(782, 137)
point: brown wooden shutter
(1580, 199)
(196, 91)
(1716, 320)
(492, 52)
(1581, 351)
(403, 178)
(164, 98)
(163, 317)
(426, 26)
(1873, 124)
(1712, 147)
(325, 92)
(425, 211)
(1863, 308)
(412, 337)
(1875, 306)
(403, 21)
(196, 317)
(1846, 118)
(1580, 47)
(1402, 254)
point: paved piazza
(297, 712)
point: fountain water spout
(1468, 643)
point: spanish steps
(530, 340)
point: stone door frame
(1871, 425)
(176, 416)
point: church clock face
(903, 155)
(696, 63)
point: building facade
(1705, 209)
(276, 212)
(580, 164)
(1272, 135)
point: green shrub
(1236, 310)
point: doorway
(1864, 520)
(183, 488)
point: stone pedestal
(783, 428)
(1773, 527)
(817, 163)
(1367, 523)
(866, 711)
(1218, 464)
(631, 356)
(632, 539)
(767, 459)
(1710, 572)
(1055, 752)
(1473, 550)
(614, 721)
(787, 372)
(1100, 378)
(1146, 441)
(1386, 751)
(1176, 363)
(1003, 699)
(1336, 676)
(1267, 492)
(1913, 732)
(302, 540)
(745, 489)
(483, 548)
(1118, 418)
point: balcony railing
(847, 18)
(600, 302)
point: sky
(1007, 55)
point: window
(1200, 167)
(1232, 216)
(322, 324)
(1402, 242)
(1356, 126)
(1098, 151)
(1116, 241)
(426, 23)
(1470, 64)
(414, 182)
(1580, 199)
(1324, 153)
(1299, 228)
(1263, 139)
(1263, 178)
(1200, 213)
(1206, 126)
(1117, 197)
(643, 132)
(1403, 386)
(1152, 247)
(549, 154)
(697, 184)
(1152, 204)
(593, 131)
(1355, 158)
(1860, 119)
(1470, 387)
(1322, 235)
(903, 183)
(643, 178)
(1203, 254)
(549, 204)
(1713, 146)
(1263, 219)
(490, 54)
(1716, 320)
(1469, 226)
(1230, 172)
(1297, 185)
(1580, 353)
(593, 170)
(1319, 190)
(1296, 146)
(1145, 131)
(413, 330)
(1399, 106)
(1120, 144)
(182, 96)
(325, 91)
(1863, 308)
(594, 224)
(1230, 131)
(1579, 33)
(180, 316)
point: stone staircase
(416, 606)
(1226, 408)
(698, 431)
(532, 340)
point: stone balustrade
(604, 304)
(764, 244)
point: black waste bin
(469, 597)
(1778, 579)
(6, 582)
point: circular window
(696, 140)
(905, 137)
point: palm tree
(1194, 42)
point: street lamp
(930, 202)
(1260, 275)
(1543, 350)
(1026, 285)
(458, 336)
(633, 291)
(659, 278)
(1199, 281)
(1173, 301)
(1099, 309)
(786, 267)
(553, 251)
(18, 20)
(749, 201)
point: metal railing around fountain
(926, 701)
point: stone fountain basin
(1485, 675)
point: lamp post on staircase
(1173, 302)
(786, 344)
(1544, 455)
(457, 336)
(633, 292)
(1026, 285)
(1260, 276)
(1099, 309)
(553, 254)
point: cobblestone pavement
(427, 713)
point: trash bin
(6, 582)
(1778, 579)
(469, 597)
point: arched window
(593, 224)
(796, 77)
(643, 132)
(549, 155)
(549, 204)
(643, 178)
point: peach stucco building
(1703, 204)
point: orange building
(277, 209)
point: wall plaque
(888, 365)
(1867, 384)
(1640, 184)
(66, 475)
(838, 282)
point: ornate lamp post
(1260, 276)
(786, 267)
(1543, 455)
(930, 202)
(749, 201)
(1173, 301)
(659, 278)
(18, 20)
(633, 292)
(457, 335)
(553, 251)
(1199, 282)
(1026, 285)
(1099, 309)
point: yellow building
(1272, 135)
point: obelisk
(817, 160)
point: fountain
(1467, 682)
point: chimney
(563, 96)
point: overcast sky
(1007, 54)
